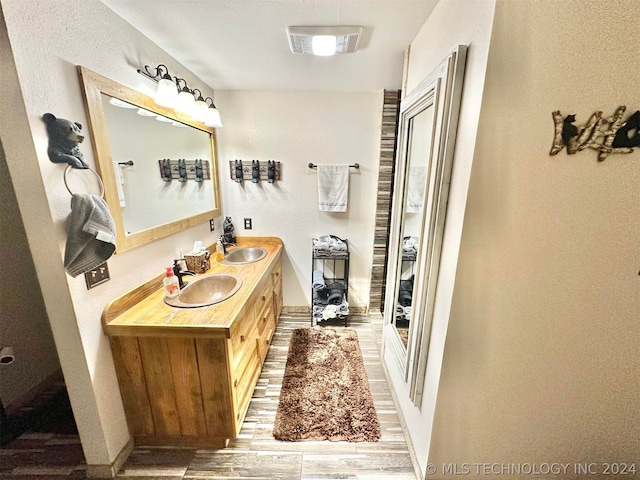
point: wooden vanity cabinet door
(214, 379)
(133, 385)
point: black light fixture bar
(158, 75)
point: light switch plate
(98, 275)
(248, 224)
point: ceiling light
(303, 39)
(323, 45)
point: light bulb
(213, 118)
(186, 102)
(323, 45)
(200, 110)
(167, 93)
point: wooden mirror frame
(441, 89)
(94, 85)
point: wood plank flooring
(255, 455)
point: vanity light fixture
(167, 93)
(200, 107)
(173, 92)
(186, 101)
(213, 115)
(324, 41)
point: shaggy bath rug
(325, 391)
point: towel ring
(66, 184)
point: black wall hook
(182, 170)
(255, 171)
(166, 170)
(238, 171)
(271, 171)
(198, 168)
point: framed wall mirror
(132, 136)
(427, 131)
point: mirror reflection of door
(418, 154)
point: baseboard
(291, 310)
(110, 471)
(403, 423)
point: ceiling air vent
(301, 38)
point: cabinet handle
(277, 274)
(235, 383)
(264, 298)
(242, 339)
(264, 319)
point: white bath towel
(333, 188)
(416, 188)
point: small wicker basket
(198, 262)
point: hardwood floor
(255, 454)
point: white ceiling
(242, 44)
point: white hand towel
(333, 188)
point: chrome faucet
(178, 272)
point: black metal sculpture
(64, 137)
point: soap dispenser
(171, 285)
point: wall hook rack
(183, 170)
(255, 171)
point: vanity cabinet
(191, 384)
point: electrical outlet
(248, 225)
(211, 225)
(98, 275)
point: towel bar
(355, 165)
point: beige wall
(295, 128)
(541, 359)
